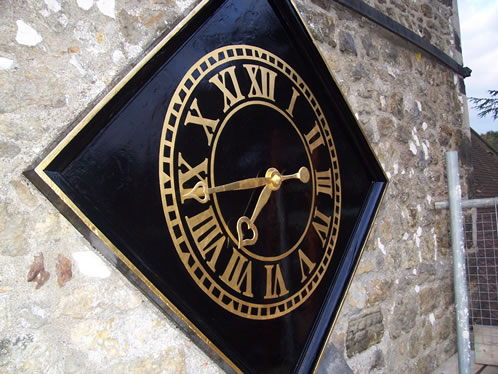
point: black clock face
(250, 182)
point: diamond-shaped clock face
(228, 179)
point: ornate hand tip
(304, 174)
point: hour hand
(263, 198)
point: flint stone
(346, 43)
(322, 28)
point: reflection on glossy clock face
(250, 182)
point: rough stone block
(429, 300)
(364, 331)
(404, 316)
(378, 290)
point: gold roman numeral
(290, 109)
(275, 285)
(238, 273)
(314, 138)
(262, 82)
(195, 117)
(321, 223)
(304, 261)
(231, 95)
(207, 235)
(323, 182)
(191, 173)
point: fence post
(460, 283)
(474, 227)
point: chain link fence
(481, 248)
(481, 243)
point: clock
(250, 181)
(227, 178)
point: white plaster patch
(419, 105)
(6, 63)
(381, 246)
(183, 4)
(106, 7)
(76, 63)
(63, 20)
(396, 168)
(426, 151)
(432, 319)
(91, 265)
(424, 126)
(417, 240)
(429, 199)
(53, 5)
(435, 244)
(417, 289)
(134, 50)
(383, 102)
(26, 35)
(415, 137)
(413, 148)
(405, 236)
(37, 311)
(85, 4)
(414, 272)
(117, 56)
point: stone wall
(80, 314)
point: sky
(479, 34)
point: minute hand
(244, 184)
(273, 179)
(201, 192)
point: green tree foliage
(491, 138)
(486, 106)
